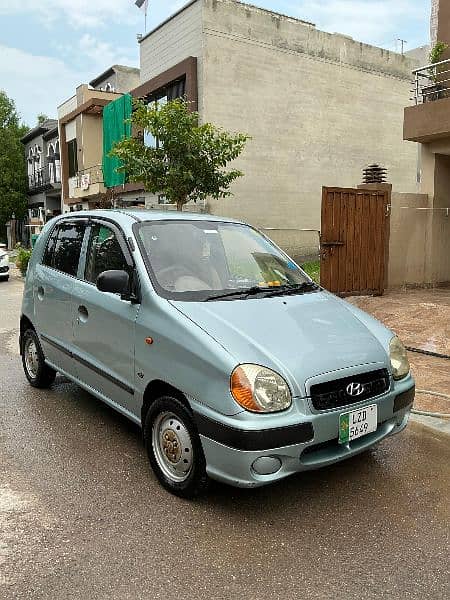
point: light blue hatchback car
(236, 365)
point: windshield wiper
(268, 292)
(292, 290)
(244, 292)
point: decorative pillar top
(434, 21)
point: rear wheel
(174, 448)
(38, 373)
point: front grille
(333, 394)
(4, 269)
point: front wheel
(38, 373)
(174, 448)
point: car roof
(129, 216)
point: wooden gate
(354, 241)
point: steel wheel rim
(31, 358)
(172, 447)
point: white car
(4, 263)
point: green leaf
(190, 161)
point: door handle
(40, 293)
(83, 314)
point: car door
(53, 285)
(104, 323)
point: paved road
(82, 517)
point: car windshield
(207, 260)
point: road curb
(440, 425)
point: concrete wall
(122, 80)
(67, 107)
(172, 43)
(410, 241)
(319, 107)
(419, 242)
(443, 25)
(441, 220)
(127, 80)
(421, 55)
(91, 141)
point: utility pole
(403, 43)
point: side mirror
(114, 282)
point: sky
(49, 47)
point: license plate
(357, 423)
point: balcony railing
(88, 177)
(432, 82)
(46, 177)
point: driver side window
(104, 253)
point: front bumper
(231, 449)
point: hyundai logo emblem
(355, 389)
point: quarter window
(48, 254)
(104, 254)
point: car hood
(298, 336)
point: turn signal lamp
(259, 389)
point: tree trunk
(180, 203)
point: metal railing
(88, 177)
(431, 82)
(46, 177)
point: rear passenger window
(64, 247)
(104, 253)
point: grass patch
(313, 270)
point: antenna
(140, 4)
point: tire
(174, 448)
(36, 371)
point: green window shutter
(116, 126)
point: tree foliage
(189, 161)
(13, 181)
(437, 51)
(41, 118)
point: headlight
(259, 389)
(399, 359)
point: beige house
(318, 106)
(427, 122)
(81, 136)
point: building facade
(81, 137)
(318, 107)
(427, 122)
(42, 152)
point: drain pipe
(428, 353)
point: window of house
(51, 163)
(174, 90)
(73, 157)
(64, 247)
(57, 163)
(104, 253)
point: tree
(13, 181)
(41, 118)
(189, 160)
